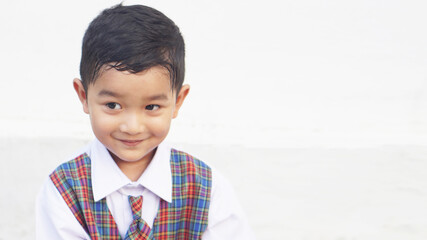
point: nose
(132, 124)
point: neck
(134, 170)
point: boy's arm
(226, 219)
(54, 220)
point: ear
(78, 87)
(185, 89)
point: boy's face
(131, 113)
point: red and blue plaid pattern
(138, 229)
(185, 218)
(136, 206)
(73, 181)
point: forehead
(151, 81)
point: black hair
(132, 38)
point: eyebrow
(157, 97)
(108, 93)
(161, 96)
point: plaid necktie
(138, 229)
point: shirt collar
(108, 178)
(158, 176)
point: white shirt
(54, 220)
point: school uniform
(177, 197)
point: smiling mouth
(130, 143)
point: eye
(113, 105)
(152, 107)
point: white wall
(281, 73)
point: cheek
(102, 124)
(160, 126)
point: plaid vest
(185, 218)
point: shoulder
(182, 161)
(72, 174)
(73, 169)
(67, 170)
(75, 165)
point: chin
(131, 157)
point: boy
(128, 184)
